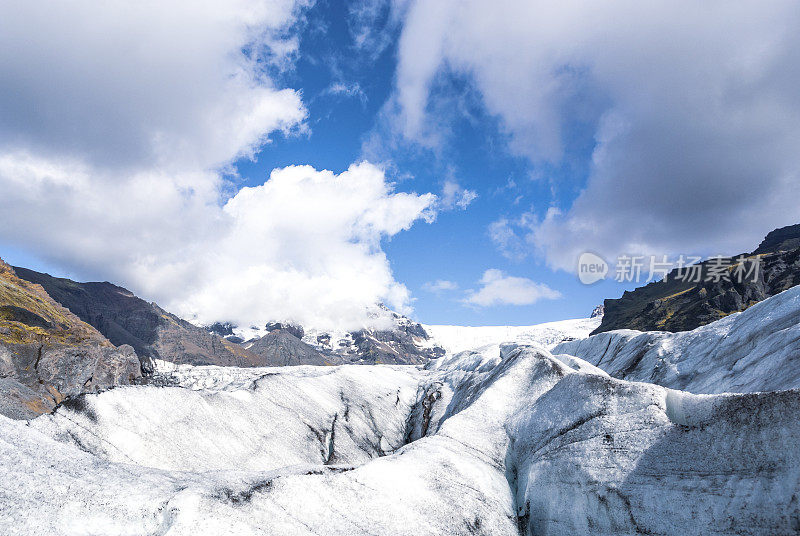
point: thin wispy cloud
(455, 196)
(352, 90)
(439, 286)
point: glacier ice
(505, 439)
(529, 443)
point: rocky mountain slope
(678, 305)
(519, 441)
(281, 347)
(153, 332)
(48, 354)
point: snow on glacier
(525, 443)
(755, 350)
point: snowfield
(505, 439)
(455, 339)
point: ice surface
(503, 439)
(253, 419)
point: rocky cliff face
(47, 354)
(678, 305)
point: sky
(259, 160)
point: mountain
(47, 354)
(677, 305)
(406, 343)
(494, 442)
(153, 332)
(280, 347)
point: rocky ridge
(675, 304)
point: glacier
(755, 350)
(501, 439)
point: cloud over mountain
(119, 129)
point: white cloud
(440, 285)
(119, 123)
(694, 109)
(497, 288)
(373, 24)
(305, 246)
(453, 195)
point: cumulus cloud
(119, 128)
(305, 246)
(497, 288)
(439, 286)
(693, 108)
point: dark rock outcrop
(223, 329)
(47, 354)
(676, 304)
(783, 239)
(406, 344)
(295, 330)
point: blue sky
(136, 146)
(457, 246)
